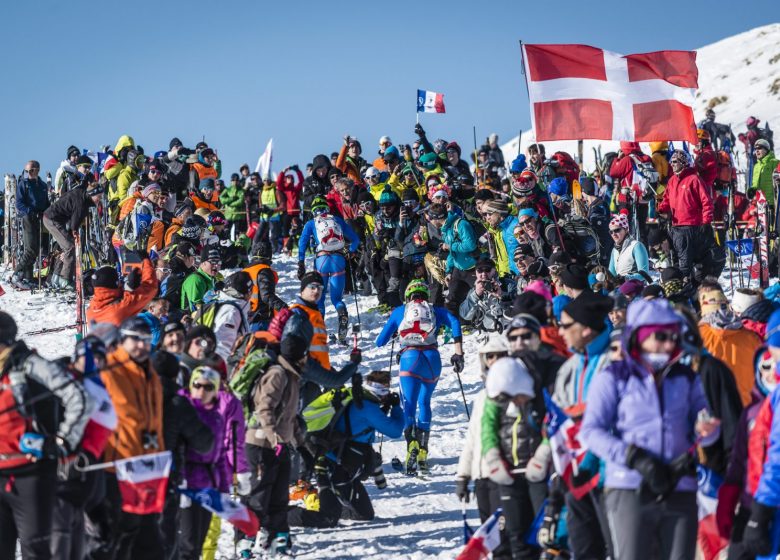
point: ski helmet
(371, 172)
(439, 145)
(752, 121)
(702, 134)
(319, 206)
(416, 286)
(385, 140)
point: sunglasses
(155, 171)
(524, 336)
(137, 338)
(615, 231)
(495, 355)
(665, 336)
(485, 270)
(315, 287)
(205, 386)
(526, 223)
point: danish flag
(580, 92)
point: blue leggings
(333, 270)
(420, 370)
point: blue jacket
(366, 421)
(625, 407)
(507, 227)
(459, 235)
(768, 490)
(309, 233)
(576, 374)
(443, 317)
(31, 196)
(154, 325)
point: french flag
(582, 92)
(430, 102)
(484, 540)
(103, 420)
(142, 482)
(569, 454)
(226, 508)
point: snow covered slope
(738, 77)
(414, 519)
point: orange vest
(12, 426)
(253, 271)
(319, 342)
(200, 203)
(204, 171)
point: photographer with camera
(482, 306)
(341, 472)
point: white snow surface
(739, 77)
(415, 519)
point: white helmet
(509, 376)
(371, 172)
(493, 138)
(491, 343)
(385, 140)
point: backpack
(329, 234)
(247, 375)
(767, 134)
(135, 228)
(578, 237)
(321, 417)
(418, 326)
(567, 167)
(645, 175)
(206, 314)
(726, 170)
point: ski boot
(343, 325)
(422, 454)
(412, 451)
(19, 282)
(280, 546)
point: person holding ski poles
(328, 233)
(32, 199)
(416, 324)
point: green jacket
(195, 286)
(762, 176)
(233, 205)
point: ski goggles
(376, 389)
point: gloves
(394, 399)
(301, 269)
(728, 496)
(546, 534)
(496, 468)
(457, 362)
(539, 465)
(133, 280)
(419, 130)
(656, 475)
(356, 356)
(462, 488)
(756, 538)
(244, 483)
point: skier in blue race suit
(328, 234)
(417, 323)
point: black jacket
(173, 283)
(268, 301)
(71, 208)
(313, 186)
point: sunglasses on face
(525, 223)
(485, 270)
(154, 171)
(615, 231)
(143, 339)
(523, 336)
(666, 336)
(205, 386)
(315, 287)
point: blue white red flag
(226, 508)
(103, 420)
(142, 482)
(578, 468)
(711, 544)
(484, 540)
(430, 102)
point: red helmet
(752, 121)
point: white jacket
(470, 463)
(230, 323)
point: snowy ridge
(415, 519)
(738, 77)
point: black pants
(692, 245)
(488, 497)
(67, 534)
(31, 228)
(131, 536)
(239, 225)
(169, 524)
(26, 504)
(587, 526)
(270, 496)
(520, 501)
(193, 524)
(736, 546)
(461, 281)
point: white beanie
(744, 298)
(509, 376)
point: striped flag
(430, 102)
(103, 420)
(484, 540)
(142, 481)
(225, 507)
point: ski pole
(390, 369)
(463, 394)
(40, 257)
(354, 293)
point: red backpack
(567, 167)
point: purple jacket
(231, 411)
(625, 407)
(208, 470)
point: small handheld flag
(232, 511)
(430, 102)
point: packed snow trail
(415, 518)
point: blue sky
(304, 73)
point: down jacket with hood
(313, 185)
(626, 407)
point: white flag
(264, 163)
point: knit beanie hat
(539, 287)
(509, 376)
(105, 277)
(631, 288)
(239, 283)
(165, 364)
(711, 300)
(744, 298)
(619, 221)
(531, 303)
(210, 253)
(574, 276)
(558, 187)
(496, 206)
(311, 277)
(590, 309)
(207, 374)
(149, 189)
(559, 302)
(191, 230)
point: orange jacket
(114, 305)
(549, 335)
(174, 228)
(348, 167)
(735, 348)
(137, 396)
(253, 271)
(200, 203)
(319, 342)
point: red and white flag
(580, 92)
(103, 420)
(142, 481)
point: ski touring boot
(279, 547)
(343, 325)
(422, 454)
(412, 451)
(19, 283)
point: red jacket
(706, 163)
(688, 199)
(291, 191)
(339, 207)
(622, 170)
